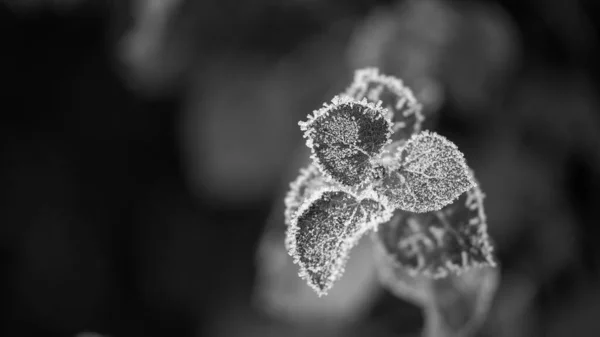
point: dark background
(145, 143)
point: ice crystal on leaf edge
(324, 230)
(346, 137)
(434, 244)
(427, 173)
(404, 110)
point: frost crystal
(453, 239)
(345, 138)
(430, 173)
(326, 227)
(308, 182)
(405, 111)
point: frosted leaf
(452, 239)
(430, 173)
(324, 230)
(460, 303)
(280, 293)
(308, 182)
(405, 111)
(455, 305)
(345, 137)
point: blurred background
(146, 146)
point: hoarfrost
(326, 227)
(430, 172)
(404, 110)
(453, 239)
(346, 137)
(308, 182)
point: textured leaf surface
(432, 172)
(453, 239)
(345, 137)
(405, 111)
(325, 229)
(281, 294)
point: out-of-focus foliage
(405, 111)
(218, 133)
(456, 305)
(152, 57)
(463, 51)
(141, 150)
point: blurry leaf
(396, 278)
(455, 305)
(479, 58)
(460, 303)
(404, 110)
(325, 229)
(407, 40)
(453, 239)
(223, 155)
(235, 148)
(152, 60)
(432, 173)
(345, 137)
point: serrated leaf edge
(475, 195)
(291, 244)
(337, 101)
(363, 76)
(398, 160)
(295, 186)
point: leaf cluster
(373, 169)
